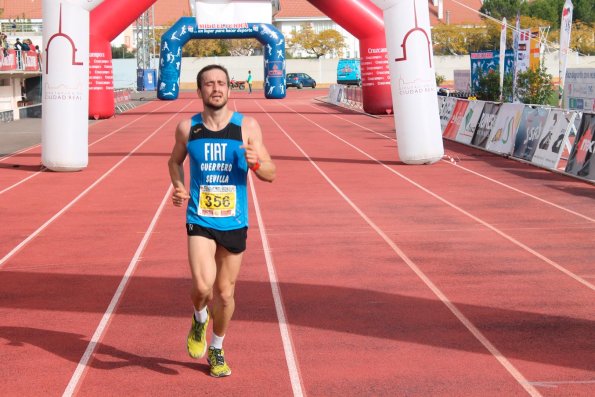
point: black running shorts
(232, 240)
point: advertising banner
(30, 61)
(501, 54)
(535, 49)
(505, 128)
(469, 122)
(446, 107)
(529, 132)
(581, 162)
(8, 61)
(524, 51)
(565, 28)
(452, 128)
(553, 135)
(515, 49)
(484, 61)
(225, 13)
(486, 122)
(579, 89)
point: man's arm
(256, 153)
(176, 163)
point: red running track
(363, 276)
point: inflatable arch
(364, 20)
(92, 24)
(186, 29)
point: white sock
(201, 315)
(217, 341)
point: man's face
(214, 90)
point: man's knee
(225, 294)
(202, 290)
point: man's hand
(180, 195)
(251, 153)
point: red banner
(8, 61)
(30, 61)
(455, 120)
(19, 60)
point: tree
(584, 11)
(548, 10)
(121, 52)
(242, 46)
(535, 86)
(489, 86)
(318, 44)
(503, 8)
(582, 38)
(204, 48)
(195, 48)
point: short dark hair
(206, 69)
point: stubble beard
(210, 106)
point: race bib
(217, 201)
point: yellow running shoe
(217, 362)
(197, 340)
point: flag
(515, 48)
(565, 28)
(502, 54)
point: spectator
(25, 45)
(18, 45)
(4, 44)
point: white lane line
(19, 152)
(523, 192)
(555, 384)
(23, 180)
(290, 358)
(97, 336)
(462, 211)
(443, 298)
(478, 174)
(87, 190)
(91, 144)
(294, 374)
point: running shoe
(217, 362)
(197, 340)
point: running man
(223, 146)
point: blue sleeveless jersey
(218, 170)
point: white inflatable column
(65, 90)
(411, 63)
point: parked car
(300, 80)
(349, 72)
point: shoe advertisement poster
(504, 131)
(446, 107)
(553, 136)
(456, 119)
(529, 132)
(486, 122)
(581, 162)
(469, 122)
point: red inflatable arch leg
(363, 19)
(108, 20)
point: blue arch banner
(186, 29)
